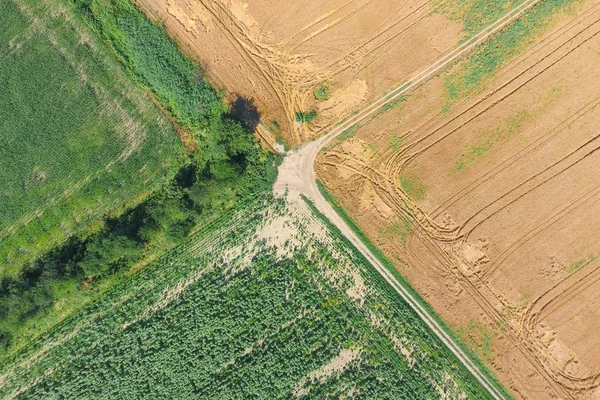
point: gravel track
(297, 176)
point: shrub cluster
(228, 167)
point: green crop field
(100, 165)
(78, 137)
(266, 302)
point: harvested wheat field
(307, 65)
(482, 186)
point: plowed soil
(489, 204)
(278, 55)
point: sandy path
(297, 176)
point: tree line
(229, 166)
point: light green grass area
(78, 138)
(348, 133)
(399, 230)
(578, 265)
(474, 15)
(396, 142)
(480, 338)
(255, 306)
(412, 185)
(488, 139)
(393, 104)
(501, 48)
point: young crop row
(239, 313)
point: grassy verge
(392, 269)
(393, 104)
(348, 133)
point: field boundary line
(408, 294)
(297, 177)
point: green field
(78, 138)
(267, 302)
(104, 183)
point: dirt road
(297, 176)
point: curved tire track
(297, 176)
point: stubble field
(308, 65)
(482, 185)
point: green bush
(322, 93)
(108, 252)
(305, 117)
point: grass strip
(390, 267)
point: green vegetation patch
(501, 48)
(578, 265)
(488, 139)
(236, 313)
(412, 185)
(305, 117)
(78, 138)
(479, 338)
(322, 93)
(396, 142)
(348, 133)
(475, 15)
(399, 230)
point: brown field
(490, 207)
(278, 54)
